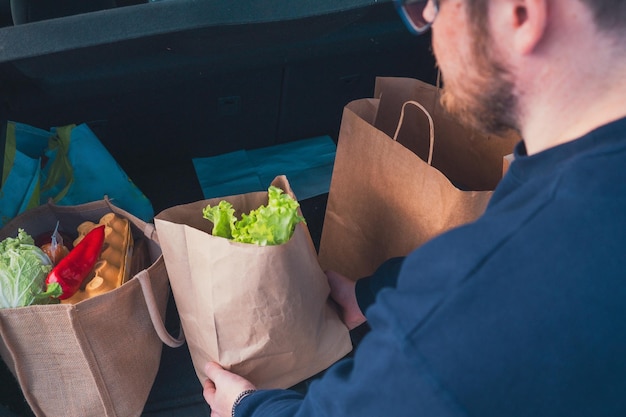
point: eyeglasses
(412, 13)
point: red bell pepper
(72, 270)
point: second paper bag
(261, 311)
(405, 171)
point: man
(523, 312)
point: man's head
(504, 60)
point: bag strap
(8, 144)
(431, 125)
(150, 232)
(31, 198)
(61, 166)
(155, 316)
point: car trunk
(163, 82)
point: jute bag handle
(431, 126)
(143, 277)
(144, 280)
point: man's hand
(222, 388)
(342, 291)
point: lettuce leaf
(272, 224)
(223, 218)
(23, 271)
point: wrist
(240, 397)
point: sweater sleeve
(385, 276)
(361, 385)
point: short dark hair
(608, 14)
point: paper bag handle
(431, 126)
(146, 287)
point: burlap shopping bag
(261, 311)
(98, 357)
(405, 171)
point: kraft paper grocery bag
(405, 171)
(261, 311)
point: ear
(529, 20)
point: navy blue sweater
(521, 313)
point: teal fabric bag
(80, 169)
(67, 165)
(308, 163)
(20, 187)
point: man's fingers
(209, 385)
(213, 370)
(209, 391)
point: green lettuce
(272, 224)
(23, 271)
(223, 218)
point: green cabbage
(267, 225)
(23, 271)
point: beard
(483, 96)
